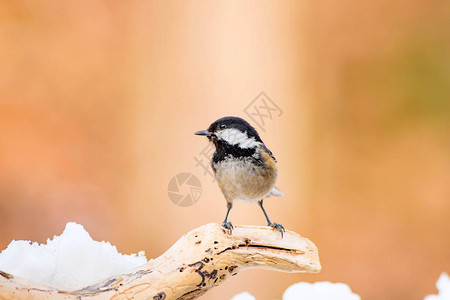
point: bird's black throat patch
(224, 150)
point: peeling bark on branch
(198, 261)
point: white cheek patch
(236, 137)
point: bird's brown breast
(242, 179)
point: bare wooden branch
(198, 261)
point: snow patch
(443, 286)
(312, 291)
(243, 296)
(72, 260)
(319, 291)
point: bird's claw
(279, 227)
(227, 227)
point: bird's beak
(203, 132)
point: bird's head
(232, 131)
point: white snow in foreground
(341, 291)
(443, 286)
(312, 291)
(72, 260)
(243, 296)
(319, 291)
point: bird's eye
(223, 126)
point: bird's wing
(265, 149)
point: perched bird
(244, 167)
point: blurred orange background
(99, 101)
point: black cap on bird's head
(233, 131)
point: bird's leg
(227, 225)
(274, 225)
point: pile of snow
(340, 291)
(72, 260)
(319, 291)
(443, 286)
(243, 296)
(312, 291)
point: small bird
(244, 167)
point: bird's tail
(274, 192)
